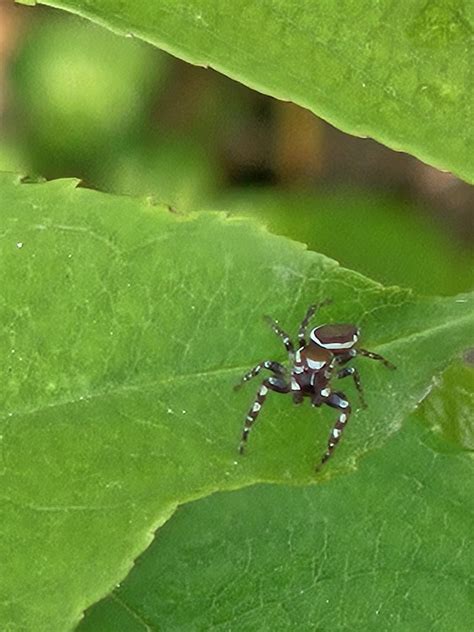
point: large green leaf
(399, 72)
(123, 327)
(386, 548)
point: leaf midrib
(127, 388)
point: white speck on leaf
(199, 18)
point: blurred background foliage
(77, 100)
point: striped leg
(275, 367)
(298, 397)
(283, 335)
(375, 356)
(356, 375)
(305, 322)
(277, 384)
(336, 400)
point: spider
(313, 366)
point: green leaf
(400, 73)
(378, 235)
(123, 327)
(388, 547)
(450, 409)
(177, 170)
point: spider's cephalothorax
(313, 365)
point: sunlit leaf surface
(123, 327)
(388, 547)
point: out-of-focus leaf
(11, 157)
(377, 235)
(81, 93)
(174, 171)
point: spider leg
(336, 400)
(312, 309)
(283, 335)
(344, 358)
(275, 367)
(298, 397)
(375, 356)
(346, 372)
(277, 384)
(304, 323)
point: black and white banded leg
(352, 371)
(305, 322)
(275, 367)
(336, 400)
(298, 397)
(277, 384)
(283, 335)
(375, 356)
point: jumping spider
(313, 366)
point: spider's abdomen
(337, 337)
